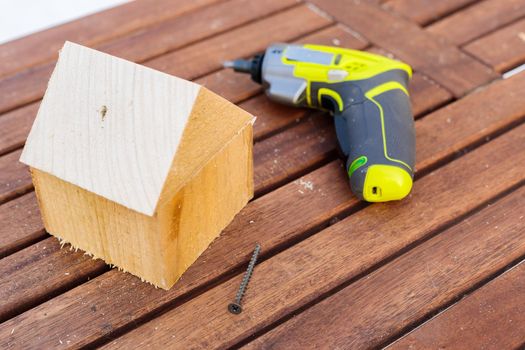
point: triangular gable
(110, 126)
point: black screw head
(235, 308)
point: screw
(235, 307)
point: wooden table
(442, 268)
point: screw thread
(248, 274)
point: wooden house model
(137, 167)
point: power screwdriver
(367, 95)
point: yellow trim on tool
(386, 183)
(360, 65)
(331, 93)
(370, 94)
(391, 85)
(372, 64)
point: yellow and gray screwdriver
(367, 95)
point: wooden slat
(62, 269)
(196, 60)
(430, 95)
(15, 126)
(468, 116)
(29, 85)
(425, 11)
(171, 35)
(90, 30)
(477, 20)
(309, 144)
(436, 59)
(492, 317)
(324, 261)
(275, 219)
(20, 224)
(370, 311)
(14, 177)
(503, 49)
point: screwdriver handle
(375, 130)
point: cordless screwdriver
(367, 94)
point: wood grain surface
(367, 312)
(283, 283)
(20, 224)
(503, 49)
(464, 118)
(425, 11)
(446, 184)
(325, 256)
(493, 317)
(477, 20)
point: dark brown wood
(425, 11)
(275, 220)
(15, 126)
(477, 20)
(14, 177)
(493, 317)
(372, 310)
(160, 39)
(20, 224)
(62, 269)
(503, 49)
(331, 257)
(91, 30)
(428, 96)
(434, 58)
(310, 144)
(202, 57)
(496, 107)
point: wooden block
(137, 167)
